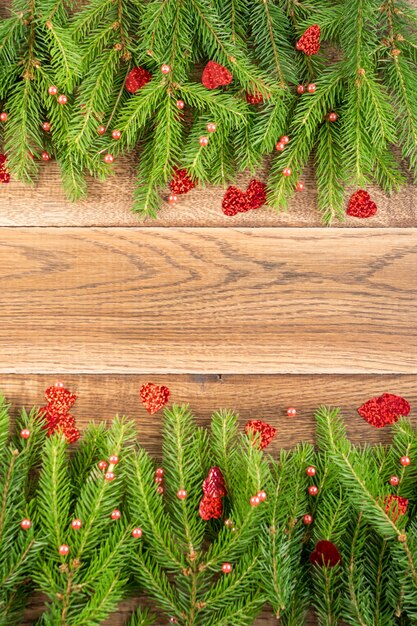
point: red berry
(109, 476)
(299, 186)
(46, 126)
(284, 139)
(313, 490)
(25, 433)
(300, 89)
(311, 471)
(160, 490)
(45, 156)
(394, 481)
(291, 411)
(116, 514)
(137, 533)
(261, 495)
(52, 90)
(76, 524)
(180, 104)
(173, 620)
(211, 127)
(108, 158)
(172, 198)
(181, 494)
(203, 141)
(165, 69)
(159, 471)
(114, 459)
(159, 480)
(3, 117)
(59, 384)
(62, 99)
(307, 519)
(333, 117)
(254, 501)
(311, 88)
(227, 568)
(279, 146)
(25, 524)
(63, 550)
(287, 171)
(101, 129)
(102, 465)
(405, 460)
(116, 134)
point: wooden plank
(109, 204)
(207, 300)
(101, 397)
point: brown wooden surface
(208, 300)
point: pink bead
(159, 471)
(108, 158)
(160, 490)
(102, 465)
(62, 99)
(109, 476)
(76, 524)
(227, 568)
(180, 104)
(287, 171)
(300, 89)
(114, 459)
(59, 384)
(313, 490)
(101, 129)
(261, 495)
(181, 494)
(333, 117)
(63, 550)
(254, 501)
(284, 139)
(25, 433)
(228, 523)
(137, 533)
(165, 69)
(159, 480)
(116, 514)
(307, 519)
(311, 88)
(311, 471)
(279, 146)
(3, 117)
(203, 141)
(291, 411)
(394, 481)
(25, 524)
(52, 90)
(172, 198)
(45, 156)
(116, 134)
(46, 127)
(173, 620)
(405, 460)
(299, 186)
(211, 127)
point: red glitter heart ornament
(234, 201)
(181, 182)
(265, 431)
(60, 400)
(154, 397)
(309, 42)
(215, 75)
(210, 508)
(256, 194)
(395, 506)
(55, 413)
(137, 78)
(361, 205)
(325, 553)
(214, 485)
(383, 410)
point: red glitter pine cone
(215, 75)
(181, 182)
(325, 553)
(210, 508)
(265, 431)
(309, 42)
(137, 78)
(214, 485)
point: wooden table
(252, 312)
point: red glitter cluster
(265, 431)
(56, 415)
(181, 182)
(361, 205)
(254, 98)
(309, 42)
(383, 410)
(236, 201)
(154, 397)
(137, 78)
(215, 75)
(395, 506)
(4, 174)
(214, 489)
(325, 553)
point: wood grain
(101, 397)
(207, 300)
(109, 204)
